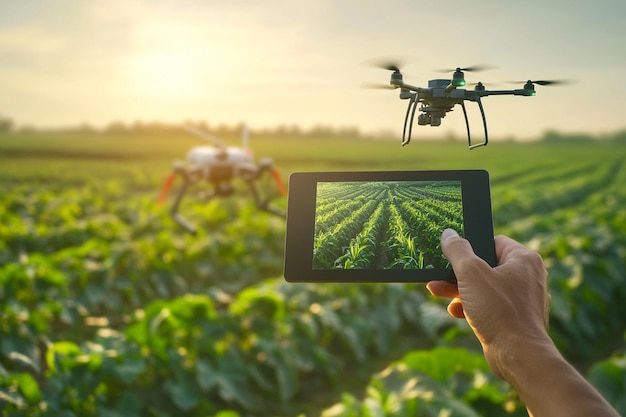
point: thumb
(465, 263)
(455, 248)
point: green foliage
(585, 251)
(108, 309)
(609, 376)
(441, 381)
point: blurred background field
(110, 309)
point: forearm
(547, 384)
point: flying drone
(442, 95)
(219, 165)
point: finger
(506, 247)
(455, 309)
(511, 254)
(455, 248)
(443, 289)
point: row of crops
(382, 225)
(108, 309)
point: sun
(168, 61)
(165, 74)
(169, 69)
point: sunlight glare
(174, 62)
(165, 74)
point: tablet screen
(383, 226)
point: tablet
(383, 226)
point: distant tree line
(221, 130)
(7, 125)
(162, 128)
(555, 137)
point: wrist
(512, 355)
(546, 383)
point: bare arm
(507, 308)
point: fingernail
(448, 233)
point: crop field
(384, 225)
(109, 308)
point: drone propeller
(390, 66)
(206, 136)
(391, 62)
(377, 86)
(458, 76)
(473, 68)
(544, 82)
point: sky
(270, 63)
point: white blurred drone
(219, 165)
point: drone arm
(476, 95)
(410, 87)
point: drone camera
(221, 172)
(423, 119)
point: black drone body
(219, 166)
(441, 95)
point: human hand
(504, 304)
(507, 308)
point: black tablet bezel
(298, 265)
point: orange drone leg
(278, 180)
(167, 185)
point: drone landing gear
(432, 116)
(220, 189)
(469, 136)
(169, 181)
(412, 105)
(263, 204)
